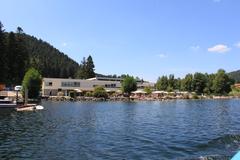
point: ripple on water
(115, 130)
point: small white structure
(78, 90)
(18, 88)
(139, 92)
(158, 92)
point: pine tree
(21, 55)
(199, 82)
(12, 60)
(3, 61)
(81, 73)
(86, 69)
(187, 83)
(90, 67)
(19, 30)
(162, 83)
(222, 83)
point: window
(70, 84)
(48, 83)
(110, 85)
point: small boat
(236, 156)
(7, 103)
(29, 107)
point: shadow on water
(228, 144)
(226, 140)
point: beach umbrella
(157, 92)
(139, 92)
(78, 90)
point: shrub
(99, 92)
(195, 96)
(148, 90)
(73, 94)
(129, 84)
(88, 94)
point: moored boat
(7, 103)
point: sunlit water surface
(183, 129)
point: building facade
(51, 86)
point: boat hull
(8, 105)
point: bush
(73, 94)
(99, 92)
(88, 94)
(148, 90)
(195, 96)
(129, 84)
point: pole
(17, 97)
(26, 97)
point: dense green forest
(20, 51)
(200, 83)
(235, 75)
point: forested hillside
(49, 60)
(20, 51)
(235, 75)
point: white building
(51, 86)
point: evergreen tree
(3, 60)
(90, 67)
(178, 84)
(86, 69)
(162, 83)
(81, 73)
(209, 85)
(171, 83)
(187, 83)
(222, 83)
(199, 82)
(21, 56)
(19, 30)
(12, 60)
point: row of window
(106, 85)
(77, 84)
(70, 84)
(110, 85)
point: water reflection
(119, 130)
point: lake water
(182, 129)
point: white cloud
(162, 55)
(64, 44)
(237, 45)
(195, 48)
(220, 48)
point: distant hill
(49, 60)
(20, 51)
(235, 75)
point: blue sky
(145, 38)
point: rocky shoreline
(94, 99)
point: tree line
(13, 56)
(218, 83)
(19, 52)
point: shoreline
(139, 99)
